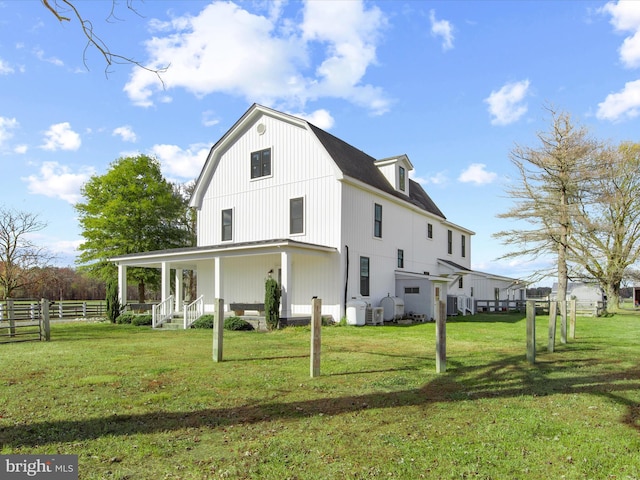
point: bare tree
(20, 258)
(547, 196)
(606, 240)
(66, 10)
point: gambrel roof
(352, 162)
(357, 164)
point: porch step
(175, 323)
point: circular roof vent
(261, 128)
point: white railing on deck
(161, 312)
(193, 311)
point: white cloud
(442, 29)
(61, 137)
(6, 127)
(439, 178)
(477, 173)
(39, 53)
(266, 59)
(58, 181)
(625, 17)
(320, 118)
(181, 163)
(5, 68)
(506, 105)
(209, 118)
(126, 133)
(625, 103)
(21, 149)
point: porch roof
(186, 257)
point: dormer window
(401, 178)
(261, 163)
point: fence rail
(23, 322)
(58, 310)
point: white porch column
(179, 290)
(285, 299)
(165, 282)
(122, 284)
(217, 277)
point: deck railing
(162, 312)
(193, 311)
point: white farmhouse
(278, 196)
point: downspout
(346, 280)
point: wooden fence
(28, 319)
(23, 322)
(583, 309)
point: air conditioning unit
(375, 316)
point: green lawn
(140, 404)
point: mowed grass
(134, 403)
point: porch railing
(162, 312)
(193, 311)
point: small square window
(261, 163)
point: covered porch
(236, 273)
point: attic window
(401, 178)
(261, 163)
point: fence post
(45, 319)
(60, 313)
(218, 327)
(553, 313)
(12, 319)
(572, 319)
(531, 331)
(441, 338)
(563, 321)
(84, 309)
(316, 328)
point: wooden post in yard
(11, 317)
(316, 329)
(553, 314)
(45, 319)
(441, 338)
(531, 331)
(572, 319)
(218, 327)
(563, 321)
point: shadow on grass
(510, 377)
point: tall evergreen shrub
(113, 301)
(272, 303)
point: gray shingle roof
(357, 164)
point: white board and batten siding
(404, 227)
(299, 168)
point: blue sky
(454, 85)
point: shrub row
(230, 323)
(134, 319)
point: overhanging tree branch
(59, 8)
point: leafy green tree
(130, 209)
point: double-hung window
(449, 242)
(227, 225)
(261, 163)
(402, 180)
(429, 230)
(364, 276)
(377, 220)
(400, 258)
(296, 215)
(464, 246)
